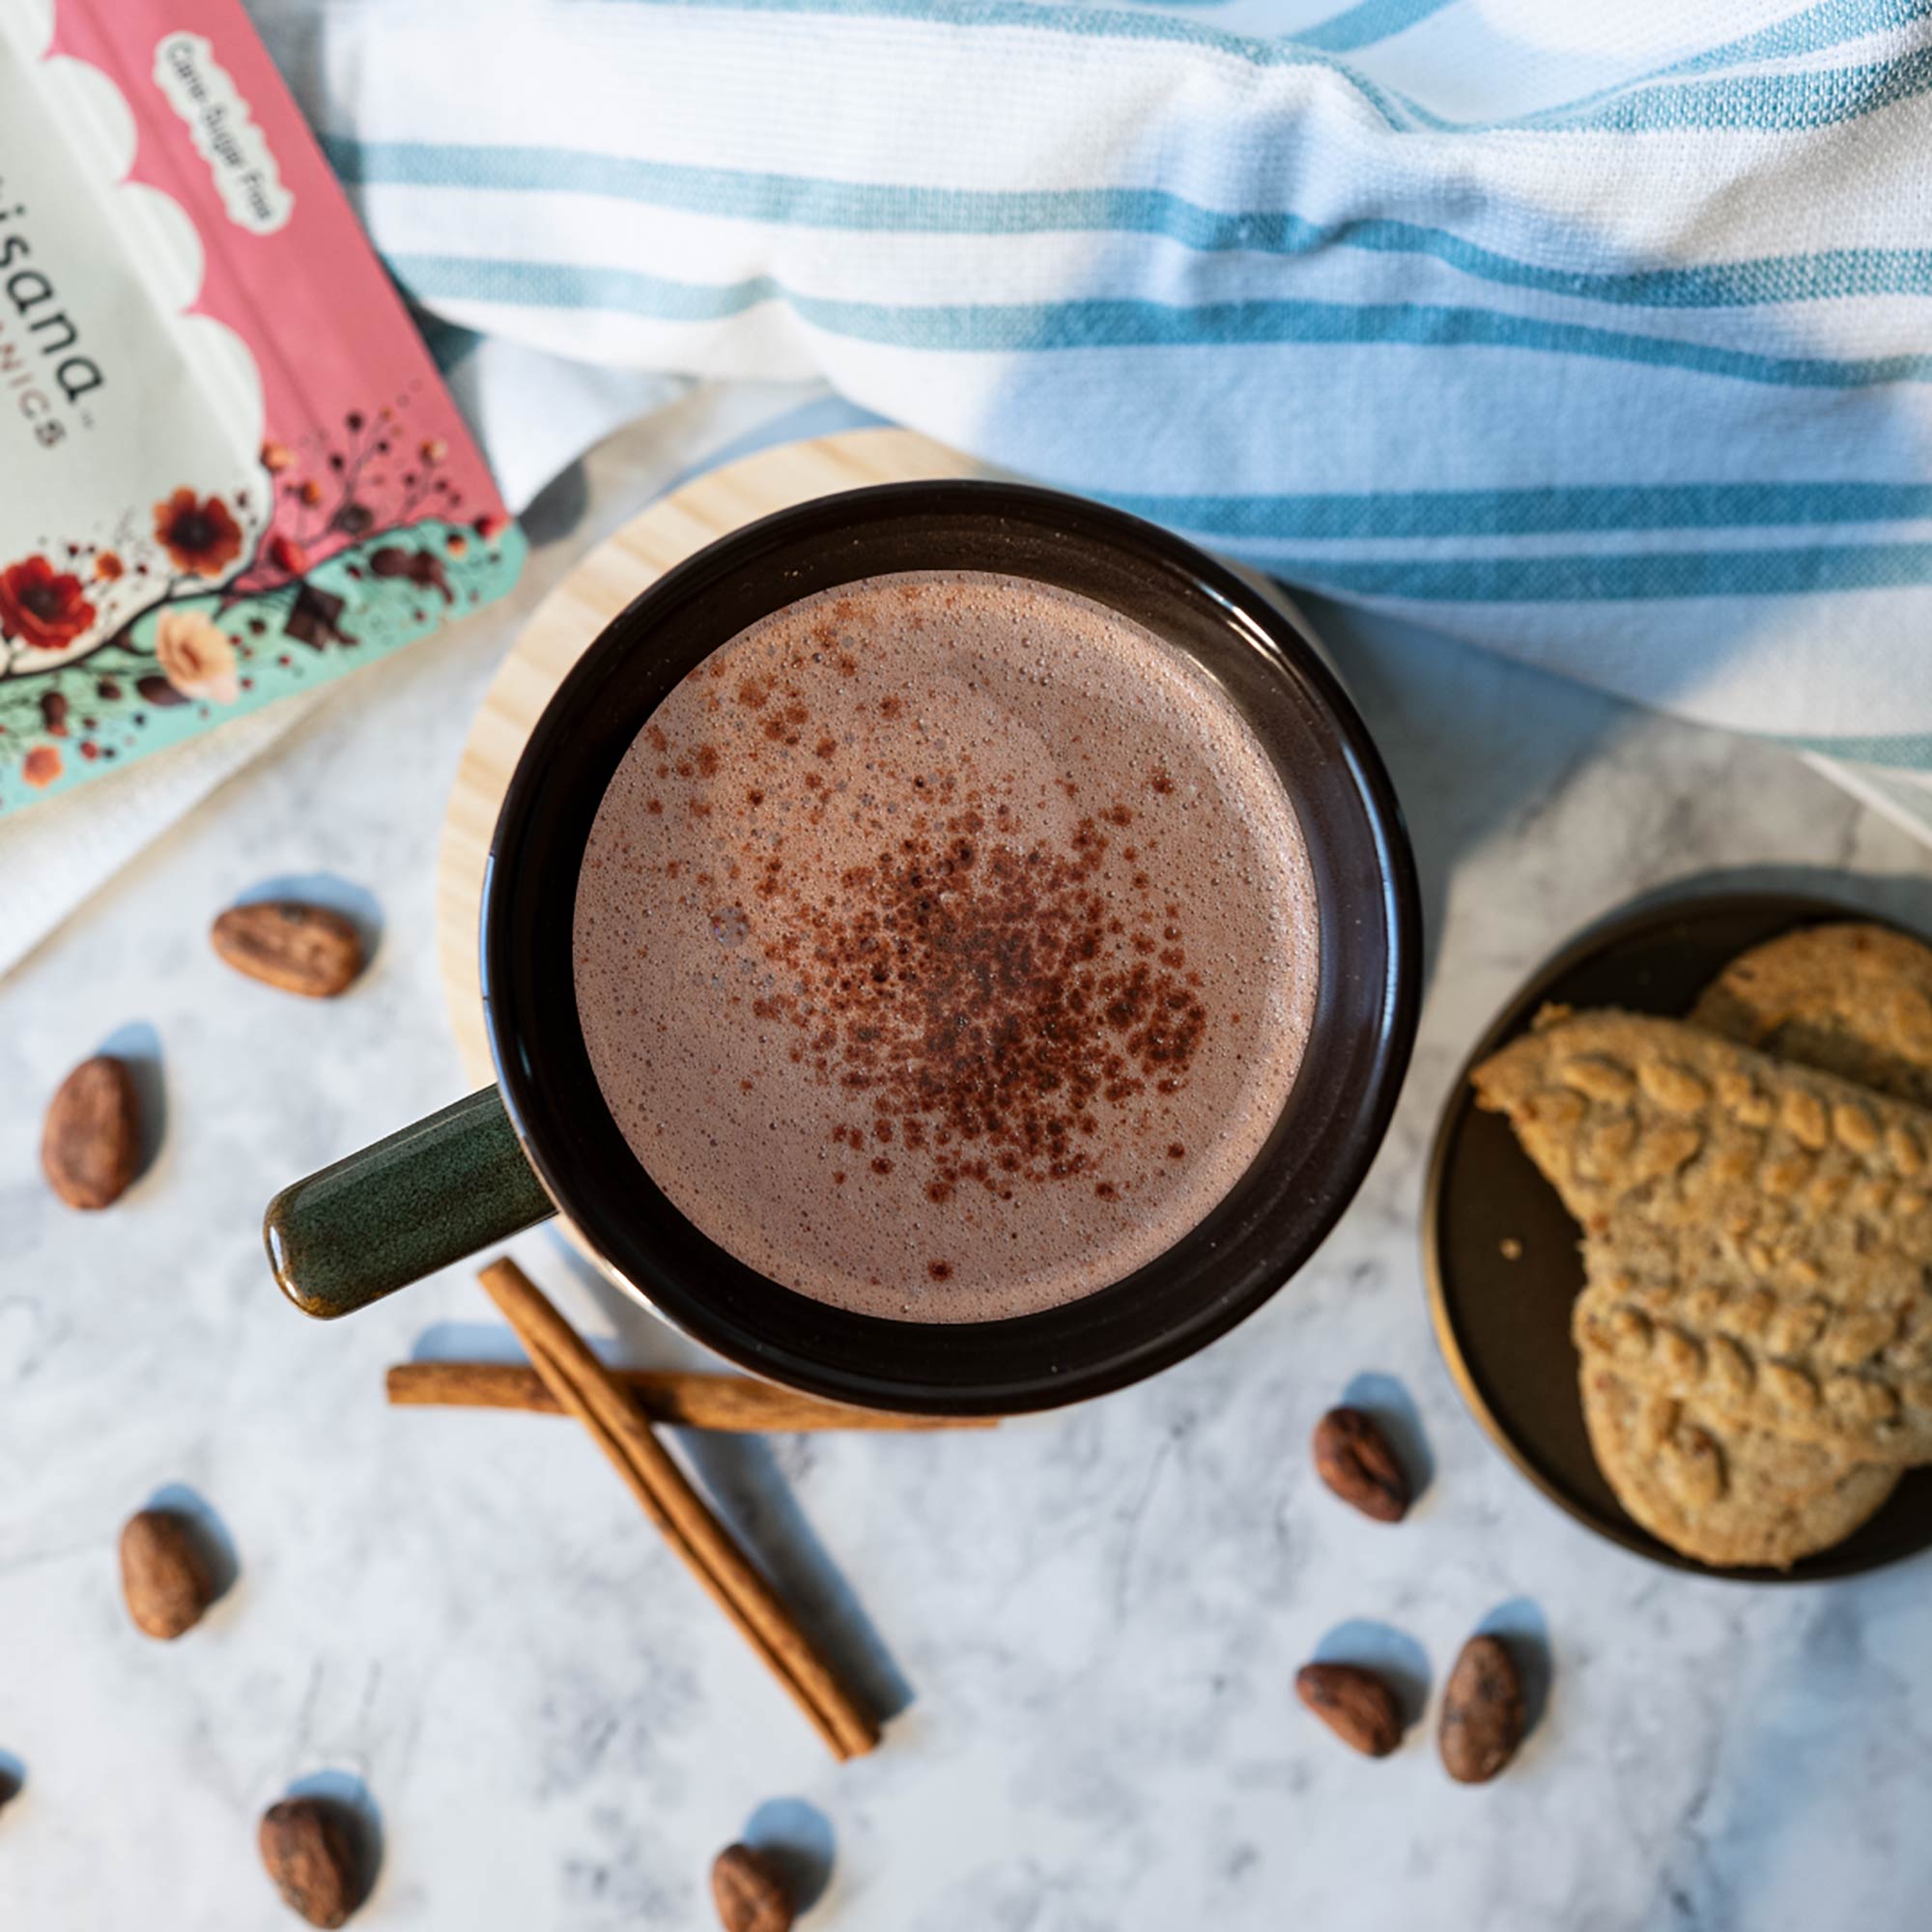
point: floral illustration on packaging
(228, 469)
(355, 544)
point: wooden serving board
(567, 620)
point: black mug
(543, 1141)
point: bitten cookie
(1714, 1488)
(1852, 1000)
(1719, 1490)
(1758, 1235)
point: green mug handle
(452, 1183)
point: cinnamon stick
(587, 1389)
(729, 1403)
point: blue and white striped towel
(1600, 335)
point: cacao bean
(751, 1892)
(309, 1852)
(162, 1575)
(1353, 1458)
(91, 1143)
(302, 949)
(1482, 1712)
(1354, 1703)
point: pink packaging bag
(228, 469)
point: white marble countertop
(1092, 1620)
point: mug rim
(1068, 519)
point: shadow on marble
(557, 510)
(1468, 736)
(209, 1535)
(1392, 1408)
(748, 1488)
(1393, 1655)
(470, 1342)
(361, 1820)
(798, 1839)
(638, 1338)
(1906, 896)
(357, 904)
(1525, 1630)
(140, 1046)
(496, 1341)
(12, 1777)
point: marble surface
(1090, 1621)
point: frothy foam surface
(945, 946)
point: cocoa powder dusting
(968, 989)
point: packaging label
(224, 133)
(227, 467)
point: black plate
(1504, 1325)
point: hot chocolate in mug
(973, 678)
